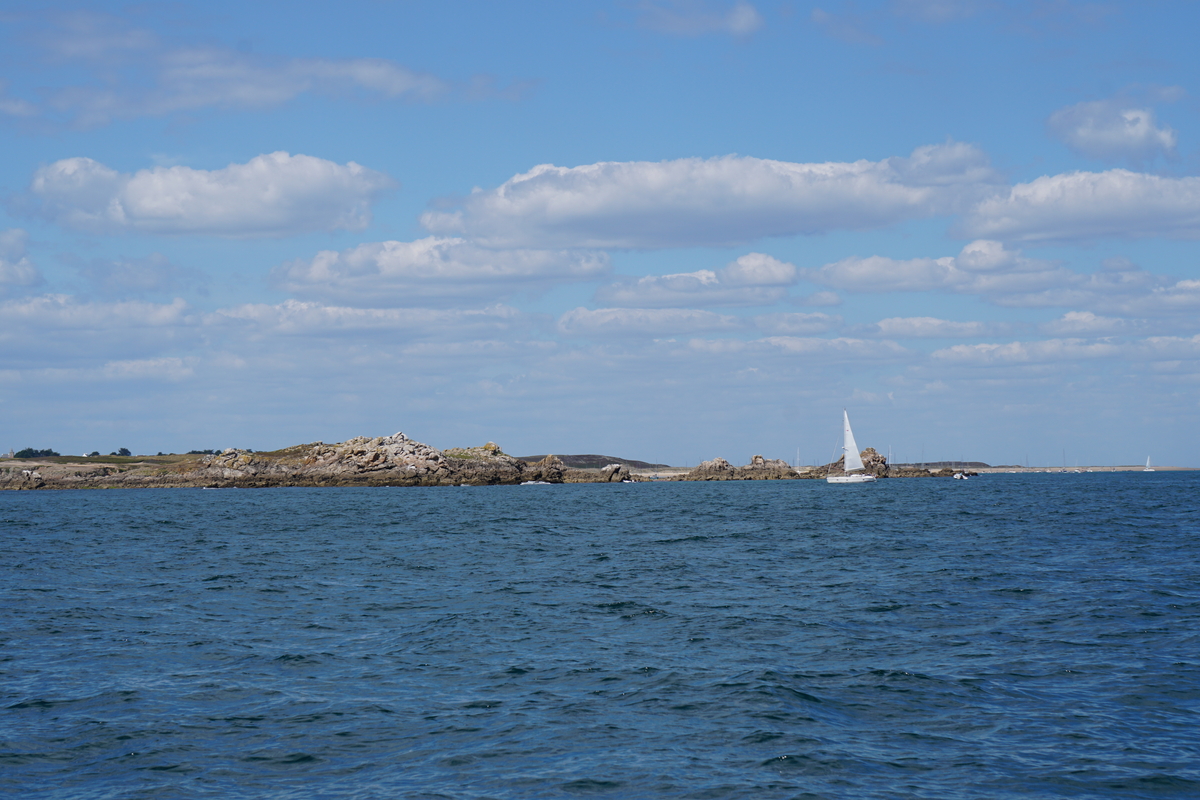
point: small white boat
(853, 462)
(1148, 467)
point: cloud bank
(410, 273)
(169, 77)
(718, 201)
(1090, 205)
(754, 279)
(277, 194)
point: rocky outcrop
(550, 469)
(612, 473)
(759, 469)
(363, 461)
(873, 464)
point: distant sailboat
(853, 461)
(1148, 467)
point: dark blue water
(1009, 636)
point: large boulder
(759, 468)
(550, 469)
(873, 464)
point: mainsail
(849, 446)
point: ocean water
(1006, 637)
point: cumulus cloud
(1047, 351)
(296, 318)
(409, 273)
(1090, 205)
(610, 322)
(696, 18)
(277, 194)
(716, 201)
(931, 328)
(1113, 130)
(1008, 278)
(982, 267)
(65, 312)
(15, 267)
(1171, 299)
(1052, 351)
(754, 279)
(1086, 323)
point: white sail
(849, 447)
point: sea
(1010, 636)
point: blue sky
(661, 229)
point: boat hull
(850, 479)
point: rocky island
(759, 468)
(363, 461)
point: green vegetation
(29, 452)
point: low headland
(400, 461)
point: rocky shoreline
(387, 461)
(363, 461)
(759, 468)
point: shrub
(29, 452)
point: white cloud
(717, 201)
(64, 312)
(1052, 351)
(1113, 130)
(295, 318)
(754, 279)
(64, 331)
(982, 267)
(409, 273)
(1178, 298)
(930, 328)
(277, 194)
(835, 350)
(1091, 205)
(137, 73)
(797, 324)
(1086, 323)
(15, 267)
(643, 322)
(170, 369)
(1047, 351)
(1008, 278)
(696, 18)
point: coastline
(399, 461)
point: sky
(667, 230)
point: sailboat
(853, 461)
(1148, 467)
